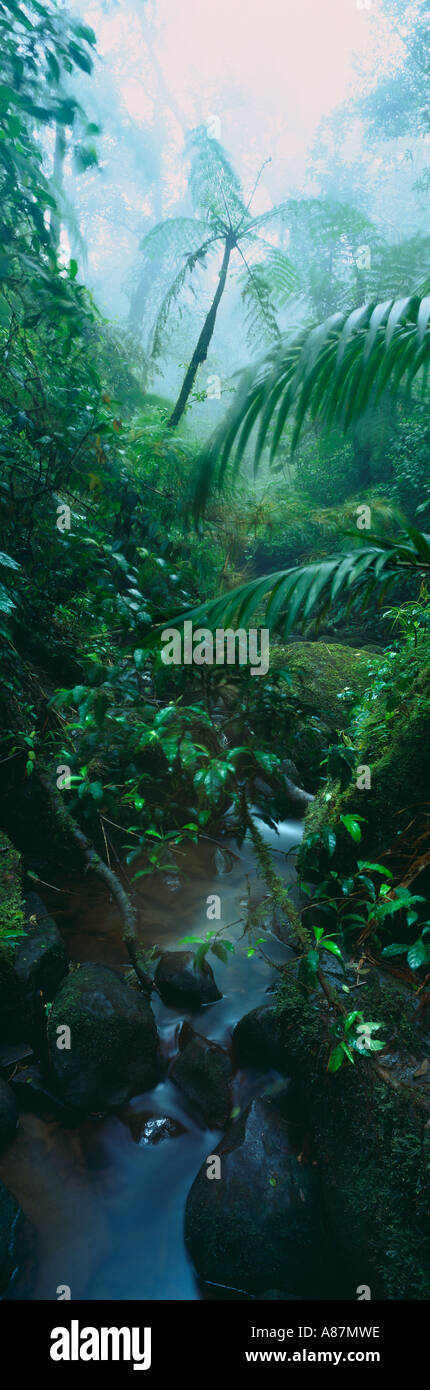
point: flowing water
(107, 1196)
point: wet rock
(33, 1092)
(179, 981)
(31, 974)
(203, 1072)
(157, 1128)
(17, 1245)
(8, 1114)
(12, 1053)
(113, 1051)
(259, 1225)
(258, 1039)
(297, 799)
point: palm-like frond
(175, 237)
(331, 373)
(173, 294)
(264, 284)
(288, 598)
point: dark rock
(156, 1128)
(259, 1226)
(203, 1071)
(180, 982)
(31, 974)
(8, 1114)
(113, 1051)
(259, 1041)
(12, 1053)
(17, 1244)
(297, 799)
(33, 1091)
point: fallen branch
(107, 875)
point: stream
(107, 1196)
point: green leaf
(352, 826)
(336, 1058)
(331, 946)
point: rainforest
(215, 652)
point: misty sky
(268, 70)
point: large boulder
(327, 676)
(259, 1224)
(111, 1052)
(396, 751)
(259, 1041)
(203, 1072)
(180, 981)
(373, 1157)
(17, 1244)
(8, 1114)
(325, 679)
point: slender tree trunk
(59, 157)
(201, 351)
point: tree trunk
(59, 157)
(201, 351)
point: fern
(332, 373)
(289, 598)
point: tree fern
(223, 221)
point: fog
(279, 85)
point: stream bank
(336, 1165)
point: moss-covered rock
(396, 750)
(327, 677)
(111, 1049)
(11, 900)
(372, 1147)
(32, 967)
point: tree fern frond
(215, 188)
(177, 235)
(173, 294)
(288, 598)
(330, 373)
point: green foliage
(332, 373)
(295, 595)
